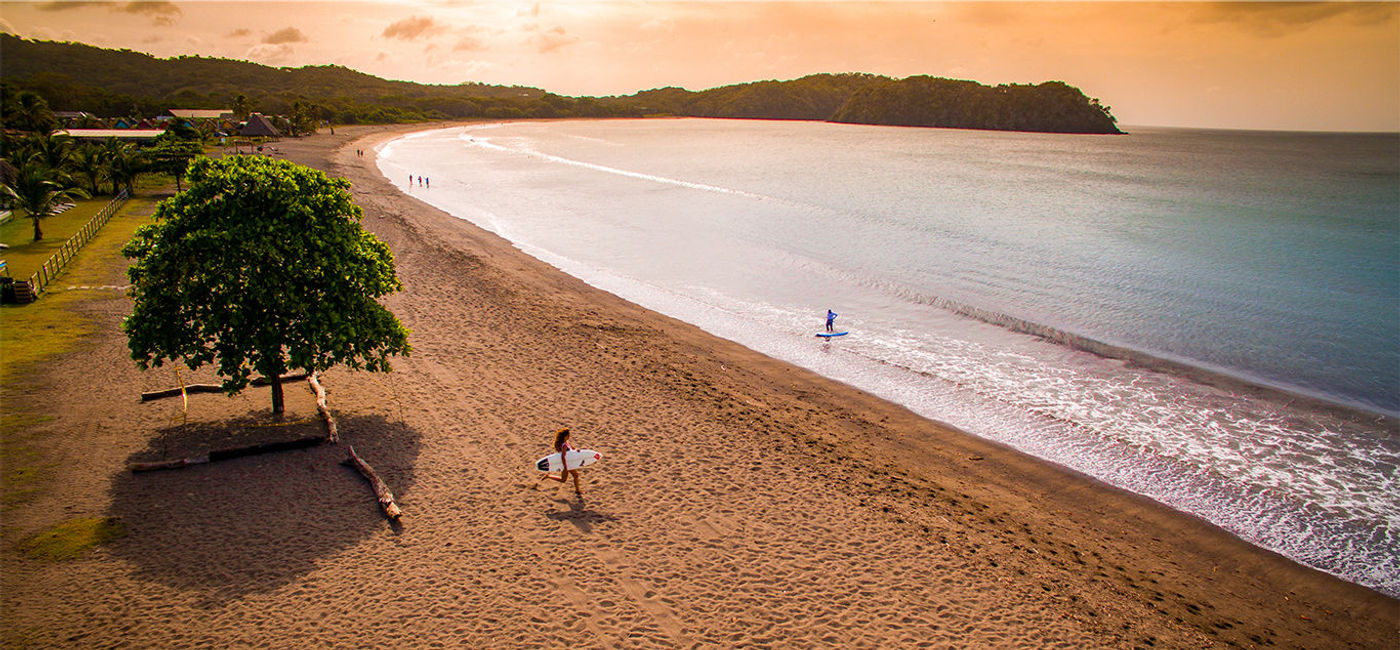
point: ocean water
(1164, 310)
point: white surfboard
(577, 458)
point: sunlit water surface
(977, 270)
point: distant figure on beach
(428, 183)
(830, 320)
(562, 446)
(420, 181)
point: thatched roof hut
(259, 126)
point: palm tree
(37, 191)
(89, 162)
(241, 107)
(124, 164)
(52, 148)
(31, 113)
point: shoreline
(1259, 516)
(1274, 391)
(1205, 375)
(1218, 377)
(741, 500)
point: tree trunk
(278, 406)
(38, 234)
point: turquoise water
(1001, 282)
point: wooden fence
(54, 265)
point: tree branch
(212, 388)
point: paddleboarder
(830, 320)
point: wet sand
(742, 502)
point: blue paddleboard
(827, 335)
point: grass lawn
(32, 332)
(25, 255)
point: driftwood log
(331, 435)
(211, 388)
(381, 491)
(225, 454)
(168, 464)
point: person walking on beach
(561, 445)
(830, 320)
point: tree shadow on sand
(253, 524)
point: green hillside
(1053, 106)
(109, 83)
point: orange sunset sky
(1299, 66)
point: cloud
(284, 36)
(161, 13)
(239, 33)
(659, 24)
(269, 54)
(552, 40)
(988, 14)
(469, 44)
(1280, 18)
(412, 28)
(63, 6)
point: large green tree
(261, 265)
(172, 155)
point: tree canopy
(261, 265)
(1053, 106)
(171, 154)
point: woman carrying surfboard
(562, 447)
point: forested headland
(110, 83)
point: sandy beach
(742, 502)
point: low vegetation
(72, 538)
